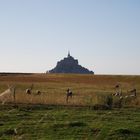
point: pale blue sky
(104, 35)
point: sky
(104, 35)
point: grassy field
(70, 123)
(49, 116)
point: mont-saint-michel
(70, 65)
(49, 93)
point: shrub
(109, 101)
(118, 102)
(100, 107)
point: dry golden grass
(87, 89)
(52, 99)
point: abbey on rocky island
(70, 65)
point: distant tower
(68, 53)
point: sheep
(118, 91)
(8, 94)
(132, 93)
(38, 92)
(29, 90)
(68, 94)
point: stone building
(70, 65)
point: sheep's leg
(67, 99)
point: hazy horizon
(103, 35)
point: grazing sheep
(118, 91)
(68, 94)
(7, 95)
(38, 92)
(29, 90)
(132, 93)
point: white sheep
(7, 95)
(29, 90)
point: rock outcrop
(70, 65)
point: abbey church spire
(68, 53)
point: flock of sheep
(29, 90)
(10, 93)
(118, 92)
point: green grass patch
(63, 122)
